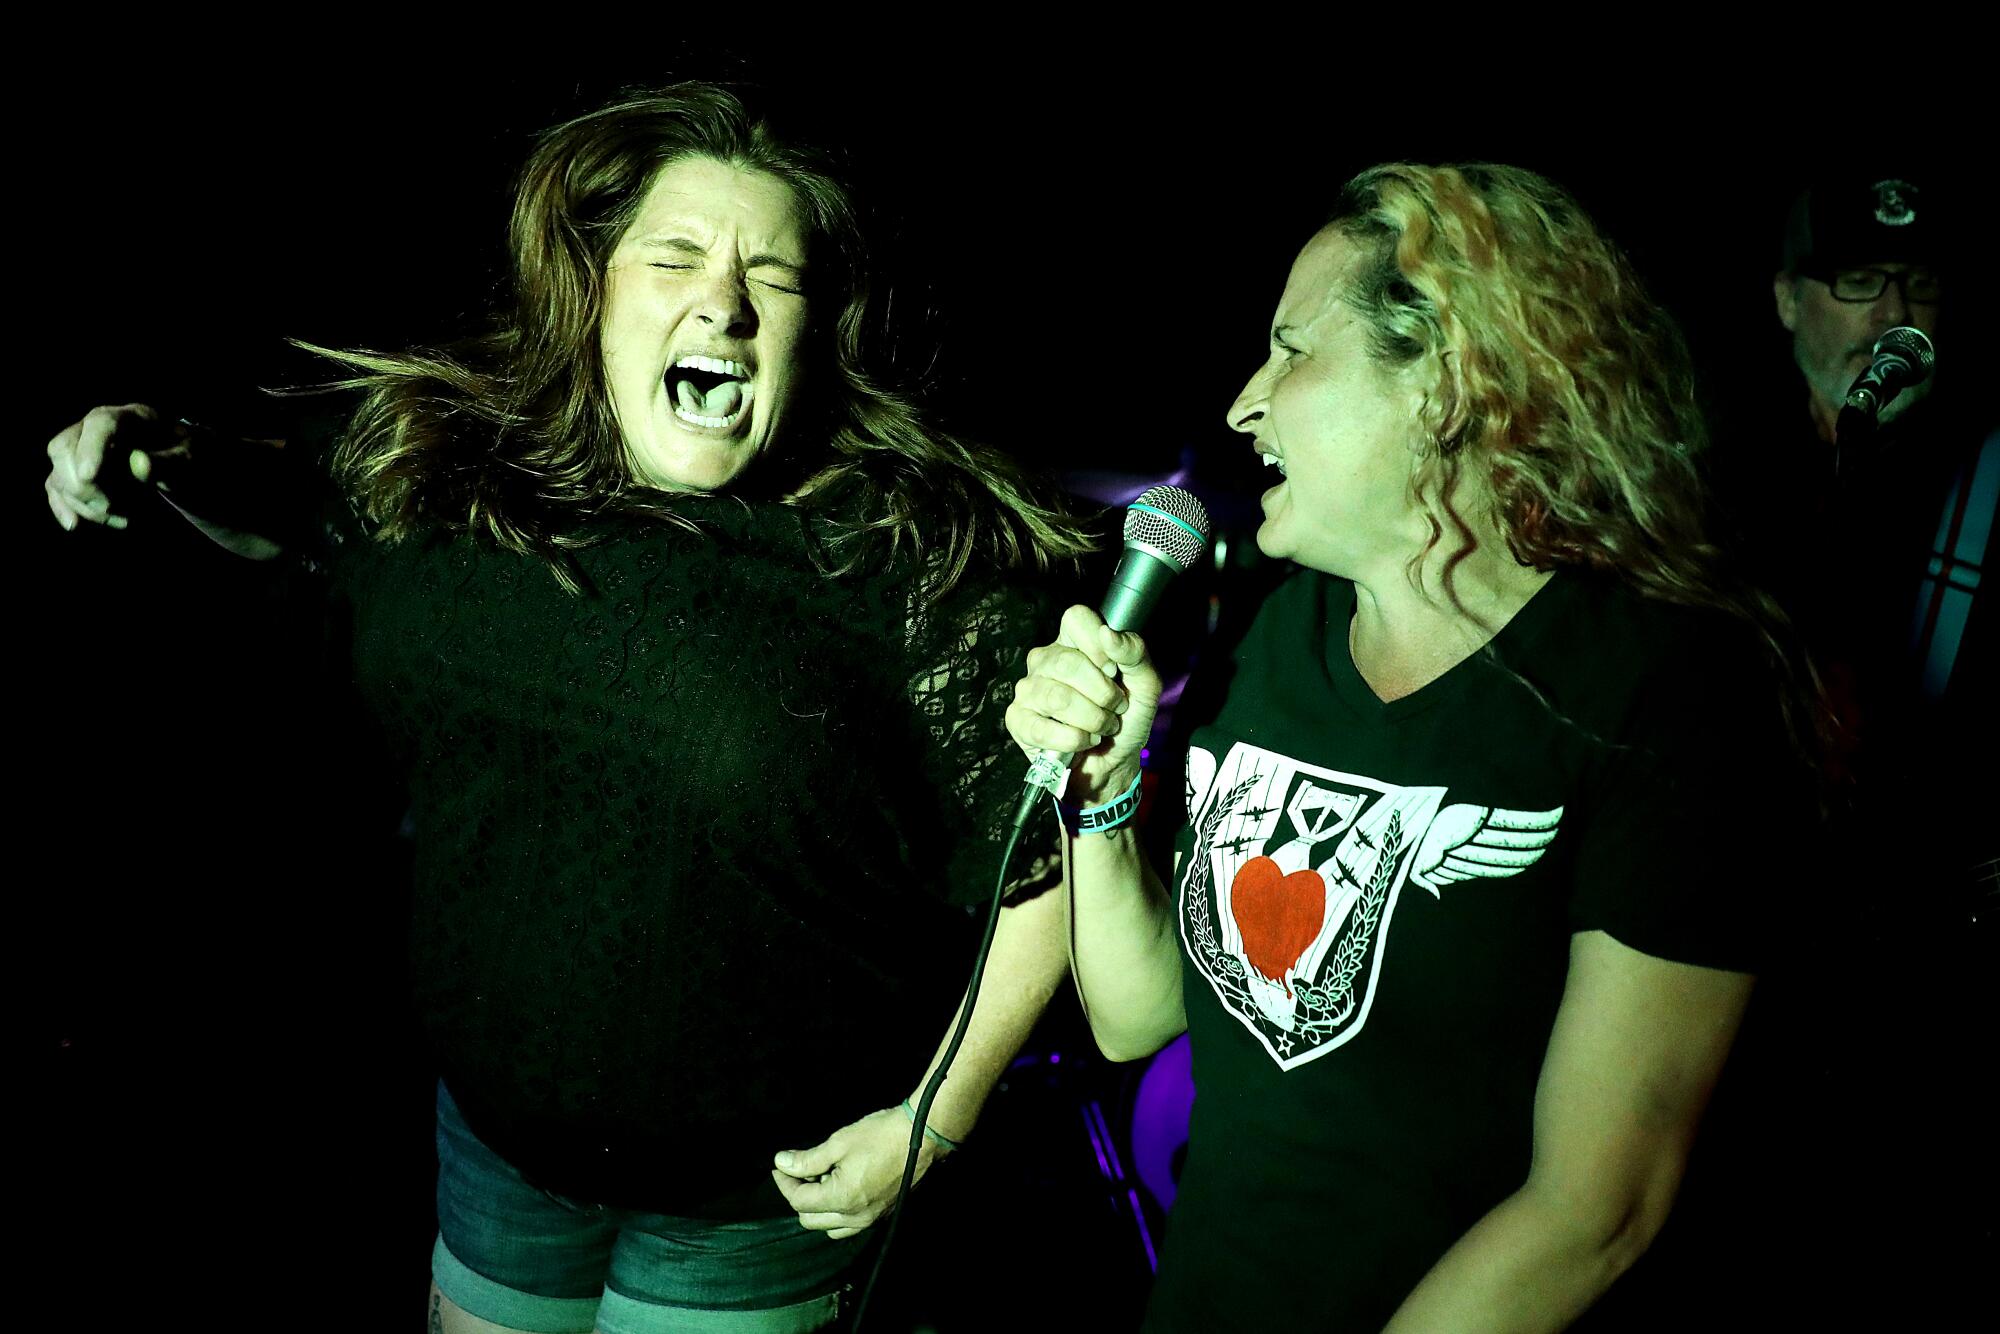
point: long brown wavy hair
(511, 434)
(1562, 388)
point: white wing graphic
(1465, 842)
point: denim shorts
(520, 1256)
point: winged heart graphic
(1287, 898)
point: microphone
(253, 497)
(1166, 530)
(1903, 360)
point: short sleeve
(1697, 833)
(967, 652)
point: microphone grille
(1169, 521)
(1911, 345)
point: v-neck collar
(1337, 604)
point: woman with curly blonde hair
(1465, 914)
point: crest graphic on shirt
(1288, 893)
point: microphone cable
(1166, 529)
(936, 1081)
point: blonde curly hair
(1562, 391)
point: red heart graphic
(1278, 914)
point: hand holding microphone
(1088, 698)
(248, 496)
(97, 465)
(1094, 691)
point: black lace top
(695, 848)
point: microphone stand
(1854, 427)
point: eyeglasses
(1920, 286)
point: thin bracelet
(1099, 819)
(940, 1141)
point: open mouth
(1274, 461)
(709, 392)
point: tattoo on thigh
(437, 1312)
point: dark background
(1086, 236)
(1089, 240)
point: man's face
(1833, 340)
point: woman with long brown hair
(697, 637)
(1482, 836)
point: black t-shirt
(1375, 905)
(694, 847)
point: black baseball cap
(1865, 220)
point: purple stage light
(1160, 1119)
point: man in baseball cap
(1876, 556)
(1860, 258)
